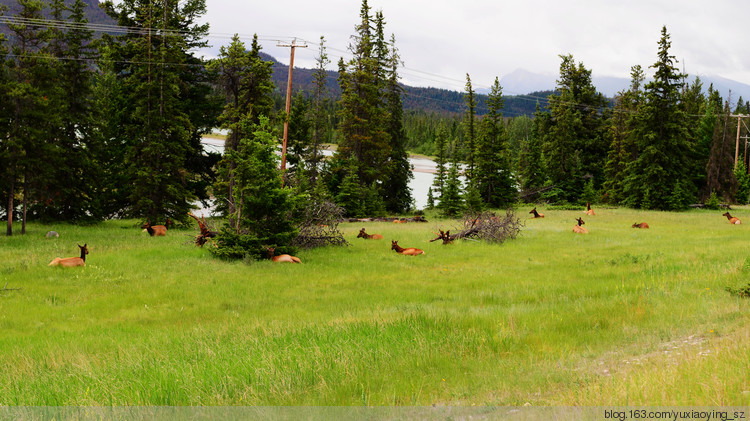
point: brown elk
(400, 221)
(641, 225)
(579, 229)
(537, 214)
(407, 251)
(282, 258)
(72, 261)
(732, 219)
(366, 236)
(155, 230)
(589, 211)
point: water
(423, 170)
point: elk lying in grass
(579, 229)
(282, 258)
(732, 219)
(400, 221)
(641, 225)
(407, 251)
(72, 261)
(155, 230)
(589, 211)
(366, 236)
(537, 214)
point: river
(423, 170)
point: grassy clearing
(617, 317)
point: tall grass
(619, 316)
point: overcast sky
(440, 41)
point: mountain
(94, 13)
(441, 101)
(521, 81)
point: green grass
(617, 317)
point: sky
(440, 41)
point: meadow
(620, 316)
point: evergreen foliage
(493, 179)
(264, 209)
(574, 146)
(659, 178)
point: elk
(579, 229)
(366, 236)
(589, 211)
(641, 225)
(407, 251)
(445, 236)
(537, 214)
(282, 258)
(70, 262)
(155, 230)
(400, 221)
(732, 219)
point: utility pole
(737, 146)
(293, 45)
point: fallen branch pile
(205, 231)
(320, 226)
(485, 226)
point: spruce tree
(396, 191)
(622, 150)
(531, 160)
(264, 209)
(30, 120)
(362, 131)
(71, 198)
(493, 177)
(451, 201)
(318, 115)
(470, 130)
(659, 178)
(574, 146)
(245, 82)
(441, 161)
(161, 134)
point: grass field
(620, 316)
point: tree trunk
(25, 204)
(9, 230)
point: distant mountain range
(522, 89)
(521, 81)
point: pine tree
(69, 197)
(659, 177)
(574, 146)
(318, 115)
(363, 136)
(160, 131)
(531, 160)
(245, 81)
(622, 150)
(25, 143)
(451, 201)
(493, 178)
(397, 194)
(263, 216)
(441, 161)
(470, 130)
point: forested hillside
(94, 13)
(430, 100)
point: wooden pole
(737, 148)
(293, 45)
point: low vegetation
(616, 317)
